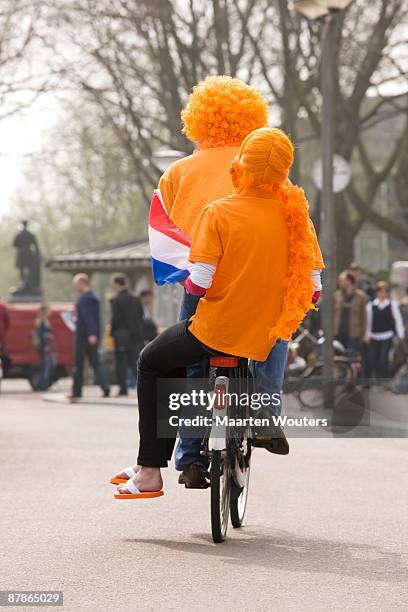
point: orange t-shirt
(191, 183)
(246, 237)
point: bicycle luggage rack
(224, 361)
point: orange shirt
(246, 237)
(191, 183)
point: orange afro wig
(221, 111)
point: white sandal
(134, 493)
(130, 473)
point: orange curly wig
(222, 110)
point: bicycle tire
(238, 503)
(239, 496)
(220, 496)
(310, 393)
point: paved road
(326, 527)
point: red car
(21, 357)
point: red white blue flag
(169, 245)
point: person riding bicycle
(220, 113)
(259, 236)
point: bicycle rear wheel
(220, 486)
(239, 495)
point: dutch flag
(169, 245)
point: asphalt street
(326, 527)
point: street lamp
(327, 10)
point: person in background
(87, 337)
(149, 326)
(350, 314)
(126, 330)
(45, 342)
(4, 324)
(362, 283)
(384, 322)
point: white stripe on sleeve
(317, 280)
(202, 274)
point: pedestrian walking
(384, 323)
(43, 339)
(126, 331)
(87, 337)
(350, 314)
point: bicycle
(346, 373)
(228, 447)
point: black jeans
(167, 356)
(125, 359)
(84, 349)
(378, 358)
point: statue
(28, 262)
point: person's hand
(366, 339)
(93, 340)
(316, 297)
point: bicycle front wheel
(310, 393)
(220, 486)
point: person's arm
(399, 323)
(364, 317)
(90, 316)
(200, 279)
(206, 250)
(317, 282)
(137, 319)
(38, 336)
(369, 321)
(115, 315)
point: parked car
(21, 359)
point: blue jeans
(269, 375)
(48, 365)
(188, 450)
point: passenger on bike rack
(253, 255)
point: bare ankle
(149, 471)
